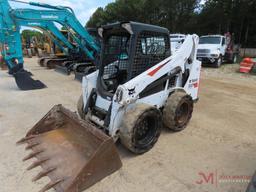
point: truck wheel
(218, 62)
(80, 107)
(178, 111)
(141, 128)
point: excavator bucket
(72, 152)
(25, 82)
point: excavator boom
(12, 19)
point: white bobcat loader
(137, 88)
(139, 85)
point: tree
(186, 16)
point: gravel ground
(216, 153)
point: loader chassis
(136, 77)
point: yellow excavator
(33, 46)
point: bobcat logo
(131, 91)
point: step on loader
(138, 87)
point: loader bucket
(72, 152)
(25, 82)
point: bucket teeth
(36, 164)
(33, 154)
(25, 139)
(43, 174)
(51, 185)
(30, 146)
(73, 153)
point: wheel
(178, 111)
(141, 128)
(218, 62)
(80, 107)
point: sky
(83, 8)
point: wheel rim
(183, 113)
(146, 131)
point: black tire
(178, 111)
(141, 128)
(80, 107)
(218, 62)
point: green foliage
(186, 16)
(28, 34)
(172, 14)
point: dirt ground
(216, 153)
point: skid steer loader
(138, 87)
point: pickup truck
(176, 41)
(216, 49)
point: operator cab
(129, 49)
